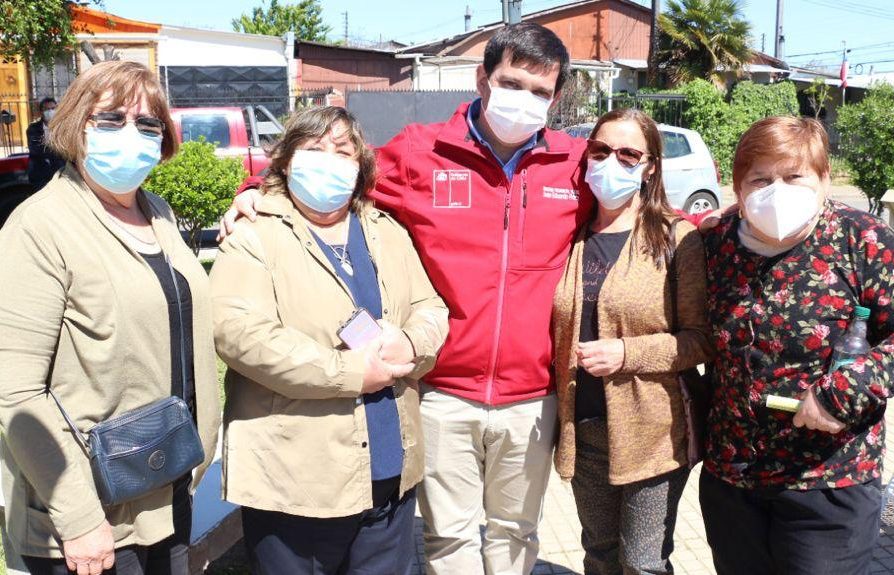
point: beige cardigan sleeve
(33, 284)
(690, 345)
(426, 327)
(252, 340)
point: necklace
(121, 227)
(344, 259)
(341, 254)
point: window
(675, 145)
(214, 128)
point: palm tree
(703, 39)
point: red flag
(843, 73)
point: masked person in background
(490, 198)
(43, 162)
(623, 329)
(322, 430)
(102, 303)
(795, 493)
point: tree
(304, 19)
(42, 31)
(817, 96)
(198, 185)
(867, 142)
(703, 39)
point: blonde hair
(315, 123)
(801, 141)
(127, 82)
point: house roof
(98, 22)
(340, 47)
(439, 47)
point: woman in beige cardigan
(622, 438)
(89, 309)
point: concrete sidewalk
(561, 552)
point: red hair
(801, 141)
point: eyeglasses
(599, 150)
(114, 121)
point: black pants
(167, 557)
(376, 542)
(788, 532)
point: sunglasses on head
(599, 150)
(113, 121)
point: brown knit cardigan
(646, 424)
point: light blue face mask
(612, 183)
(119, 160)
(322, 181)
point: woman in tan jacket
(103, 304)
(322, 432)
(622, 439)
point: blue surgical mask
(612, 183)
(322, 181)
(119, 160)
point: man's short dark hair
(45, 101)
(531, 44)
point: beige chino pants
(490, 462)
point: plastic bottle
(853, 343)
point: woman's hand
(601, 357)
(396, 346)
(91, 553)
(813, 415)
(245, 204)
(379, 374)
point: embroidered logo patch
(559, 193)
(452, 188)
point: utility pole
(468, 19)
(505, 11)
(844, 70)
(653, 45)
(345, 14)
(764, 43)
(779, 53)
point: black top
(600, 253)
(181, 340)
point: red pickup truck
(236, 132)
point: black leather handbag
(142, 449)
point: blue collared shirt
(512, 163)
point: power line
(850, 6)
(839, 50)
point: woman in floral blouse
(785, 493)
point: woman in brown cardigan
(622, 438)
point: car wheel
(700, 202)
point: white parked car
(691, 178)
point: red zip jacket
(494, 250)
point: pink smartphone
(360, 329)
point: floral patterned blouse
(774, 323)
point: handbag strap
(74, 430)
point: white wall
(457, 77)
(193, 47)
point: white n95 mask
(515, 115)
(781, 210)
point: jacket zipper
(501, 291)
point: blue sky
(810, 25)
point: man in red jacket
(491, 201)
